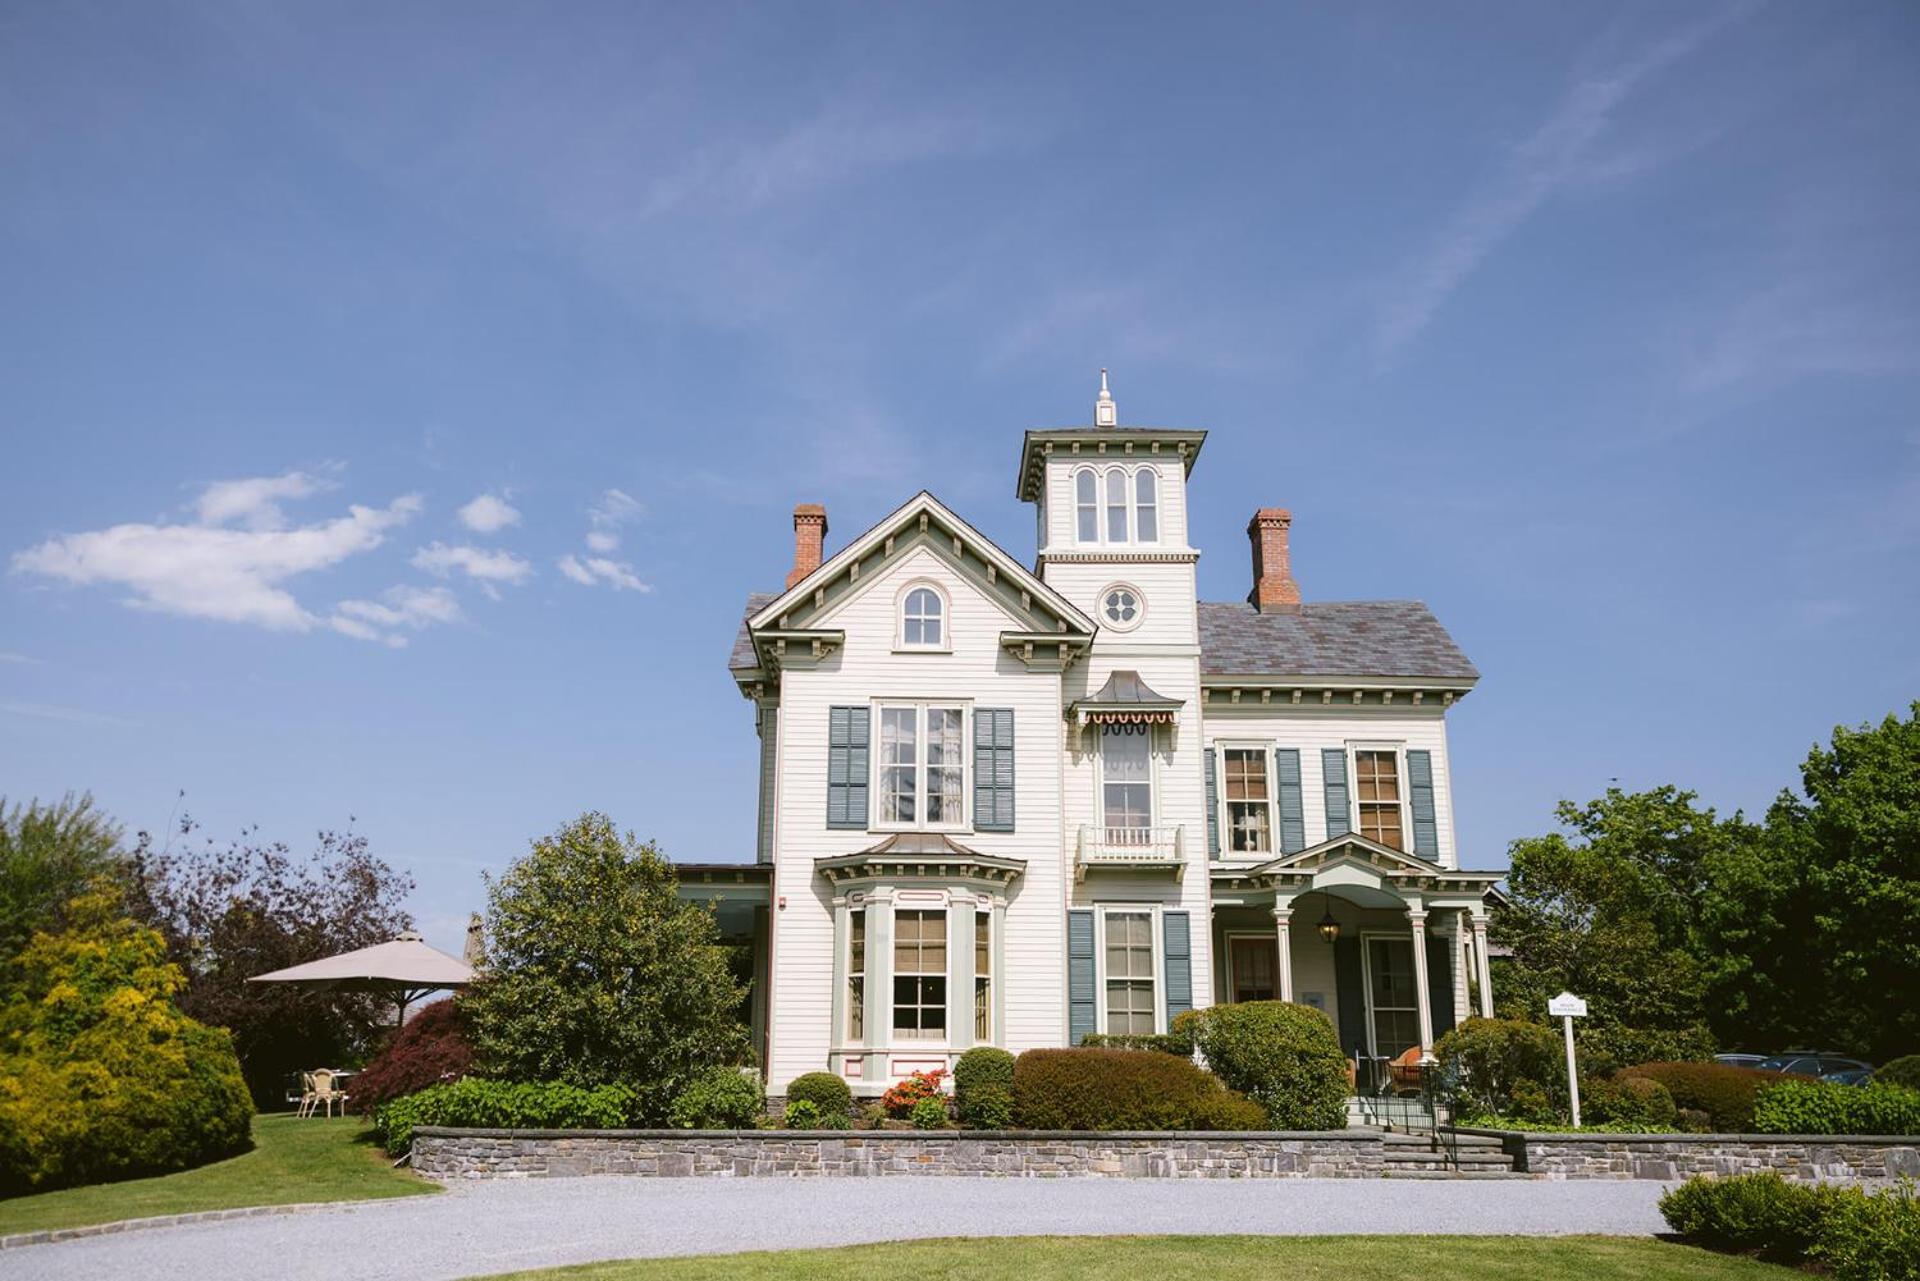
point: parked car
(1740, 1060)
(1852, 1076)
(1812, 1063)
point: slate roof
(743, 656)
(1329, 638)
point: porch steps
(1467, 1156)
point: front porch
(1391, 947)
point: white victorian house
(1014, 806)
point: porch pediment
(1352, 860)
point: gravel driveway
(486, 1227)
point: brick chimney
(809, 540)
(1274, 590)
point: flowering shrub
(900, 1099)
(431, 1048)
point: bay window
(922, 766)
(983, 978)
(920, 975)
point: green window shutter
(1293, 820)
(993, 769)
(1426, 832)
(1349, 987)
(1440, 954)
(1080, 994)
(847, 730)
(1333, 765)
(1213, 809)
(1177, 944)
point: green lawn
(316, 1159)
(1204, 1259)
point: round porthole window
(1121, 607)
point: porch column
(879, 983)
(1423, 1000)
(1283, 938)
(1481, 965)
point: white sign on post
(1567, 1007)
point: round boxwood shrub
(929, 1114)
(1726, 1094)
(1100, 1089)
(987, 1068)
(1901, 1071)
(827, 1092)
(719, 1099)
(1283, 1056)
(1507, 1068)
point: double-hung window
(922, 765)
(1126, 784)
(1376, 777)
(1249, 801)
(1117, 506)
(920, 975)
(983, 977)
(857, 976)
(1130, 975)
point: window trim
(1101, 473)
(877, 765)
(1221, 746)
(1366, 983)
(985, 913)
(1156, 949)
(900, 643)
(855, 1030)
(1398, 749)
(917, 1039)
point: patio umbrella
(402, 970)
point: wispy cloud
(487, 568)
(488, 514)
(71, 715)
(399, 610)
(8, 656)
(210, 570)
(589, 571)
(1559, 152)
(613, 509)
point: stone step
(1454, 1174)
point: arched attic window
(923, 619)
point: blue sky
(1596, 327)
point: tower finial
(1105, 413)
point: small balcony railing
(1128, 847)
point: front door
(1253, 962)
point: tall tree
(49, 855)
(229, 912)
(598, 973)
(1608, 909)
(1813, 936)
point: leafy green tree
(1814, 937)
(1608, 909)
(597, 973)
(49, 855)
(101, 1075)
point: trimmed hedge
(1100, 1089)
(507, 1105)
(1726, 1094)
(1634, 1103)
(983, 1088)
(1901, 1071)
(1159, 1042)
(719, 1099)
(1285, 1057)
(1854, 1234)
(827, 1092)
(1823, 1107)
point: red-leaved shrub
(431, 1048)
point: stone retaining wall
(1676, 1156)
(445, 1154)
